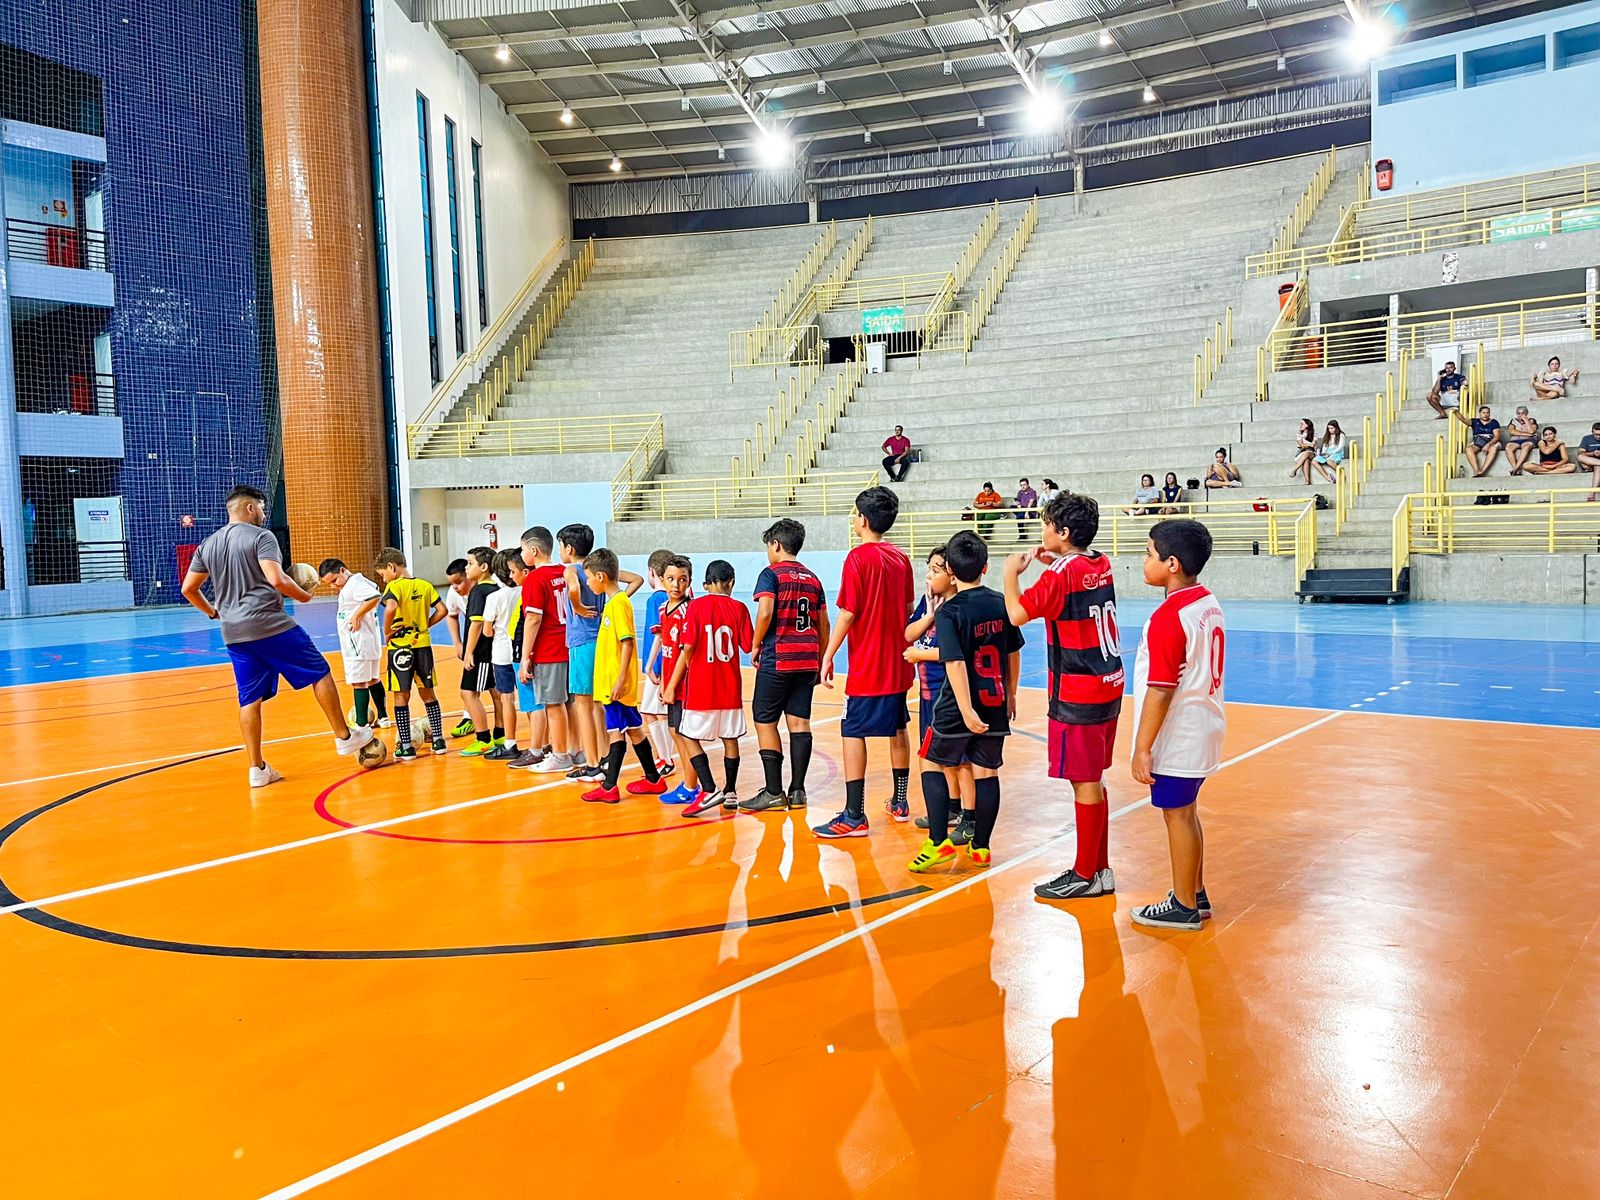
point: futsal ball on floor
(305, 575)
(373, 755)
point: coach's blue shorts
(580, 669)
(1175, 791)
(526, 701)
(875, 716)
(257, 664)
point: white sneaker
(360, 735)
(263, 775)
(552, 763)
(385, 722)
(1107, 881)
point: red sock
(1091, 835)
(1105, 831)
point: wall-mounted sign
(1537, 223)
(890, 319)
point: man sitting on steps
(897, 451)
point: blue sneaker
(1167, 914)
(678, 795)
(843, 826)
(900, 810)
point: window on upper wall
(1574, 47)
(423, 148)
(1417, 79)
(477, 235)
(454, 207)
(1495, 64)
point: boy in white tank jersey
(1179, 720)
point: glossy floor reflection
(1398, 996)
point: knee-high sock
(402, 723)
(647, 759)
(936, 796)
(1091, 836)
(379, 700)
(730, 772)
(363, 698)
(772, 768)
(799, 759)
(702, 771)
(435, 717)
(988, 811)
(613, 764)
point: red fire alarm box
(1385, 170)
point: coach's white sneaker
(263, 775)
(360, 735)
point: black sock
(855, 797)
(772, 766)
(380, 699)
(402, 723)
(799, 759)
(730, 772)
(702, 771)
(613, 764)
(483, 736)
(987, 812)
(647, 759)
(363, 699)
(499, 733)
(435, 717)
(936, 795)
(902, 783)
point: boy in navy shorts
(979, 647)
(922, 652)
(1078, 602)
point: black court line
(47, 920)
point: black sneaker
(797, 798)
(1203, 903)
(525, 760)
(963, 833)
(1168, 914)
(1070, 886)
(765, 801)
(579, 773)
(922, 823)
(440, 746)
(405, 752)
(502, 754)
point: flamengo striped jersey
(1077, 600)
(1182, 649)
(793, 642)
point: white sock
(660, 739)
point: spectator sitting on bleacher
(1552, 382)
(1589, 456)
(1520, 437)
(1305, 449)
(897, 455)
(1446, 391)
(1222, 473)
(1048, 491)
(1027, 506)
(1485, 440)
(1144, 497)
(986, 502)
(1331, 451)
(1553, 456)
(1171, 494)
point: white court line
(315, 840)
(150, 762)
(384, 1149)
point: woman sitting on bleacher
(1222, 473)
(1331, 451)
(1305, 449)
(1521, 435)
(1144, 497)
(1171, 494)
(1553, 456)
(1552, 382)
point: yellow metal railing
(537, 435)
(1505, 196)
(1290, 314)
(640, 465)
(1305, 207)
(1218, 342)
(810, 441)
(1534, 521)
(758, 447)
(1351, 478)
(796, 339)
(1501, 325)
(796, 286)
(988, 294)
(822, 494)
(878, 291)
(1399, 542)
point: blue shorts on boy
(258, 664)
(580, 669)
(505, 679)
(1175, 791)
(620, 717)
(875, 716)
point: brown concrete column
(324, 280)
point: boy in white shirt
(501, 618)
(1179, 719)
(455, 610)
(359, 643)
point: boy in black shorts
(979, 647)
(790, 631)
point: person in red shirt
(706, 671)
(897, 455)
(675, 576)
(544, 652)
(875, 595)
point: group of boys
(556, 639)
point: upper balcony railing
(85, 396)
(57, 245)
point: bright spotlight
(774, 149)
(566, 116)
(616, 165)
(1149, 95)
(1370, 38)
(1045, 112)
(1106, 40)
(503, 52)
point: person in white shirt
(501, 617)
(455, 610)
(360, 645)
(1179, 720)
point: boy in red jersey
(544, 650)
(1078, 601)
(1179, 717)
(791, 630)
(675, 576)
(875, 596)
(716, 630)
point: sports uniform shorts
(505, 678)
(358, 671)
(675, 716)
(875, 716)
(409, 665)
(527, 698)
(985, 750)
(580, 669)
(478, 677)
(1175, 791)
(257, 665)
(1081, 753)
(550, 683)
(620, 717)
(782, 693)
(650, 704)
(703, 726)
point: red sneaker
(703, 803)
(665, 766)
(603, 795)
(643, 787)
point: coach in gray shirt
(248, 584)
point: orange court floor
(501, 991)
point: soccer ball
(305, 575)
(373, 755)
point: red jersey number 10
(719, 644)
(1216, 659)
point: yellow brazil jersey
(413, 600)
(611, 686)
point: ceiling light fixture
(503, 52)
(566, 116)
(980, 120)
(1283, 63)
(1106, 39)
(866, 136)
(1149, 94)
(822, 87)
(1369, 38)
(616, 165)
(949, 67)
(722, 153)
(683, 103)
(1045, 111)
(774, 149)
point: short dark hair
(458, 566)
(966, 554)
(1186, 540)
(937, 552)
(988, 486)
(579, 537)
(787, 532)
(601, 562)
(540, 537)
(1076, 517)
(244, 491)
(682, 563)
(719, 570)
(483, 555)
(879, 507)
(330, 566)
(390, 557)
(658, 561)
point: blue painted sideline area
(1482, 662)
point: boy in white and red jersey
(1179, 719)
(674, 623)
(707, 675)
(1078, 602)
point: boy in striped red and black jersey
(790, 631)
(1078, 602)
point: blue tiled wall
(185, 335)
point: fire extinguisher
(1385, 170)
